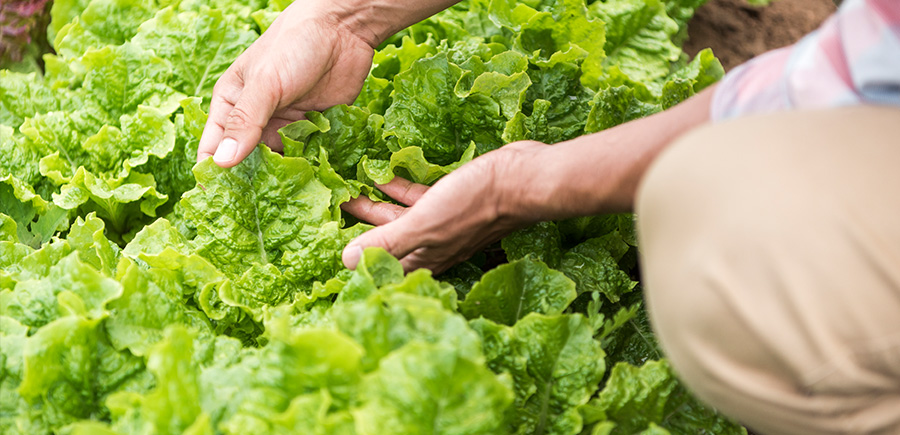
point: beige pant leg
(771, 258)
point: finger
(398, 238)
(403, 190)
(425, 258)
(417, 260)
(226, 91)
(245, 122)
(375, 213)
(270, 135)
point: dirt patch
(737, 31)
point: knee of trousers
(772, 270)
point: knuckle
(220, 87)
(239, 119)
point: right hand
(306, 61)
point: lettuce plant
(143, 293)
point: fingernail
(226, 151)
(351, 256)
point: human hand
(307, 60)
(447, 223)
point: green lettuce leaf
(512, 291)
(540, 242)
(428, 388)
(255, 211)
(173, 406)
(62, 12)
(149, 303)
(436, 111)
(594, 266)
(617, 105)
(564, 32)
(101, 23)
(311, 362)
(13, 408)
(411, 163)
(269, 224)
(384, 324)
(70, 287)
(121, 78)
(346, 132)
(123, 203)
(638, 38)
(70, 369)
(24, 95)
(556, 366)
(387, 63)
(36, 220)
(650, 397)
(88, 237)
(199, 46)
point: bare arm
(518, 185)
(600, 173)
(375, 21)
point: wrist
(373, 21)
(524, 195)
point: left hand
(460, 215)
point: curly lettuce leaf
(556, 366)
(638, 38)
(24, 95)
(151, 301)
(20, 160)
(387, 63)
(101, 23)
(70, 287)
(411, 163)
(269, 224)
(540, 241)
(70, 369)
(173, 405)
(435, 110)
(97, 171)
(564, 32)
(594, 266)
(199, 46)
(88, 237)
(617, 105)
(257, 210)
(173, 171)
(13, 418)
(649, 397)
(346, 132)
(376, 269)
(384, 324)
(511, 291)
(121, 78)
(36, 220)
(298, 365)
(428, 388)
(123, 203)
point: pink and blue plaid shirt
(854, 58)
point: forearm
(376, 20)
(600, 173)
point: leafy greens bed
(140, 293)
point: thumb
(245, 123)
(392, 237)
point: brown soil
(737, 31)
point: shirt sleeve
(854, 58)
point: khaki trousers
(771, 258)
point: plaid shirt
(854, 58)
